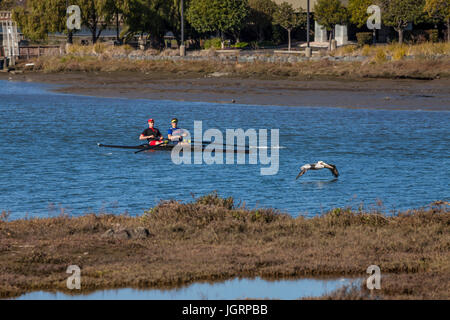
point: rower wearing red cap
(153, 136)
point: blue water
(50, 162)
(227, 290)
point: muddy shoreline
(391, 94)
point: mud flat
(393, 94)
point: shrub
(348, 49)
(127, 48)
(99, 48)
(365, 50)
(399, 53)
(212, 43)
(213, 199)
(78, 49)
(364, 38)
(380, 55)
(266, 43)
(240, 45)
(433, 35)
(262, 44)
(417, 36)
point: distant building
(302, 3)
(9, 36)
(342, 33)
(320, 34)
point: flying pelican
(317, 166)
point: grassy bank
(426, 61)
(396, 51)
(212, 239)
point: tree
(261, 15)
(439, 9)
(96, 15)
(149, 17)
(115, 9)
(357, 10)
(399, 13)
(7, 4)
(217, 15)
(40, 17)
(288, 18)
(330, 13)
(43, 16)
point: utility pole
(308, 27)
(182, 47)
(69, 32)
(117, 26)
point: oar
(121, 147)
(148, 148)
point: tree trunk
(94, 28)
(94, 33)
(400, 36)
(70, 37)
(222, 40)
(99, 33)
(237, 36)
(448, 29)
(330, 39)
(260, 33)
(289, 39)
(117, 25)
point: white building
(9, 37)
(320, 34)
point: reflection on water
(227, 290)
(320, 184)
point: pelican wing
(302, 172)
(333, 170)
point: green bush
(263, 44)
(212, 43)
(240, 45)
(364, 38)
(433, 35)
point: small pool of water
(256, 288)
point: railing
(5, 15)
(27, 52)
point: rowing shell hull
(169, 147)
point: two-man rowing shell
(154, 136)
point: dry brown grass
(423, 50)
(423, 286)
(211, 239)
(431, 60)
(376, 67)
